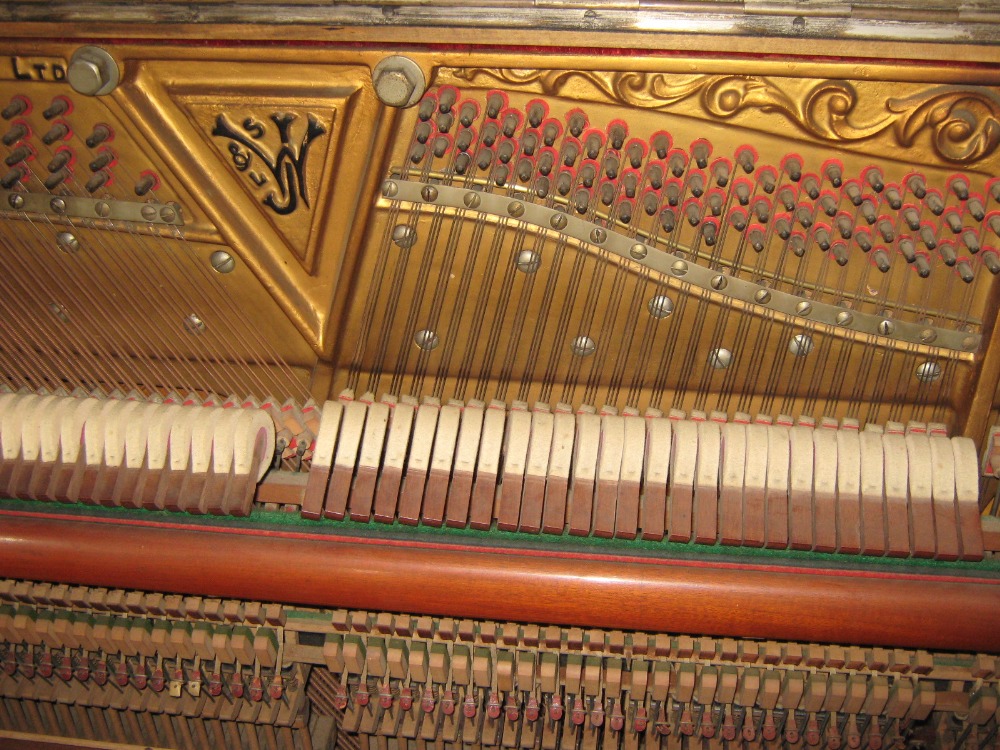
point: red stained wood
(713, 598)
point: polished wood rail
(949, 610)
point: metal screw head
(148, 212)
(404, 235)
(472, 200)
(429, 193)
(58, 205)
(638, 251)
(886, 327)
(398, 81)
(804, 308)
(660, 306)
(102, 209)
(762, 296)
(679, 268)
(720, 358)
(515, 209)
(598, 236)
(194, 324)
(582, 346)
(16, 200)
(92, 71)
(528, 261)
(558, 221)
(800, 345)
(389, 189)
(927, 335)
(719, 282)
(844, 318)
(426, 339)
(970, 342)
(928, 372)
(168, 213)
(222, 261)
(67, 242)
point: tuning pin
(934, 202)
(821, 235)
(701, 150)
(965, 272)
(696, 184)
(863, 239)
(845, 225)
(99, 135)
(58, 132)
(537, 112)
(839, 251)
(975, 207)
(655, 176)
(576, 123)
(959, 185)
(17, 131)
(922, 265)
(991, 261)
(661, 144)
(852, 189)
(792, 166)
(885, 229)
(783, 227)
(18, 105)
(468, 114)
(786, 197)
(873, 176)
(746, 157)
(511, 123)
(833, 170)
(810, 185)
(588, 174)
(667, 220)
(893, 197)
(881, 260)
(18, 155)
(916, 185)
(677, 163)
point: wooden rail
(703, 597)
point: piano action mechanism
(389, 383)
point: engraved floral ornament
(963, 122)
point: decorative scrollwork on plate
(963, 122)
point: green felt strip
(288, 520)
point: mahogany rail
(702, 597)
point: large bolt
(398, 81)
(93, 72)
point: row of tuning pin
(589, 168)
(62, 159)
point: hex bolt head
(398, 81)
(93, 72)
